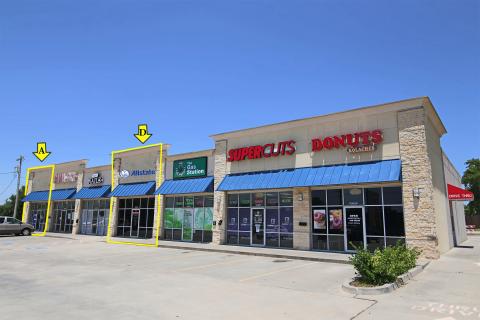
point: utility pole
(19, 172)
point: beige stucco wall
(143, 159)
(303, 134)
(443, 221)
(453, 177)
(204, 153)
(104, 171)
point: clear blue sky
(81, 75)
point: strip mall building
(366, 177)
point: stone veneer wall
(114, 201)
(159, 201)
(420, 227)
(301, 213)
(78, 208)
(219, 197)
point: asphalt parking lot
(59, 278)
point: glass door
(135, 221)
(355, 229)
(187, 233)
(258, 227)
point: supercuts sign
(355, 142)
(262, 151)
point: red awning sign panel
(456, 193)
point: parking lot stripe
(275, 271)
(211, 265)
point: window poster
(319, 219)
(199, 219)
(336, 219)
(169, 218)
(208, 221)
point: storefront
(134, 203)
(260, 219)
(95, 203)
(364, 178)
(188, 197)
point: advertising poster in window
(319, 219)
(187, 224)
(168, 218)
(244, 219)
(232, 223)
(208, 221)
(336, 219)
(178, 218)
(272, 220)
(286, 220)
(199, 219)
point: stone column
(219, 197)
(420, 227)
(77, 212)
(301, 214)
(26, 205)
(159, 200)
(114, 201)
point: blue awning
(133, 189)
(186, 186)
(59, 194)
(93, 192)
(370, 172)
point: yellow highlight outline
(158, 180)
(45, 228)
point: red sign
(266, 151)
(456, 193)
(356, 142)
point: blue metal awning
(370, 172)
(59, 194)
(93, 192)
(186, 186)
(133, 189)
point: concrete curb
(258, 254)
(388, 287)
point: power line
(8, 172)
(4, 190)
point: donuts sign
(364, 141)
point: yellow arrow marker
(41, 152)
(142, 134)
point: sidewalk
(252, 251)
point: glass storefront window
(277, 222)
(373, 196)
(233, 200)
(63, 215)
(258, 199)
(191, 220)
(382, 210)
(94, 217)
(374, 221)
(334, 197)
(272, 199)
(244, 199)
(178, 202)
(394, 224)
(392, 195)
(319, 198)
(286, 199)
(38, 212)
(135, 217)
(169, 202)
(353, 196)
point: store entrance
(134, 225)
(355, 228)
(258, 227)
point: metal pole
(19, 172)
